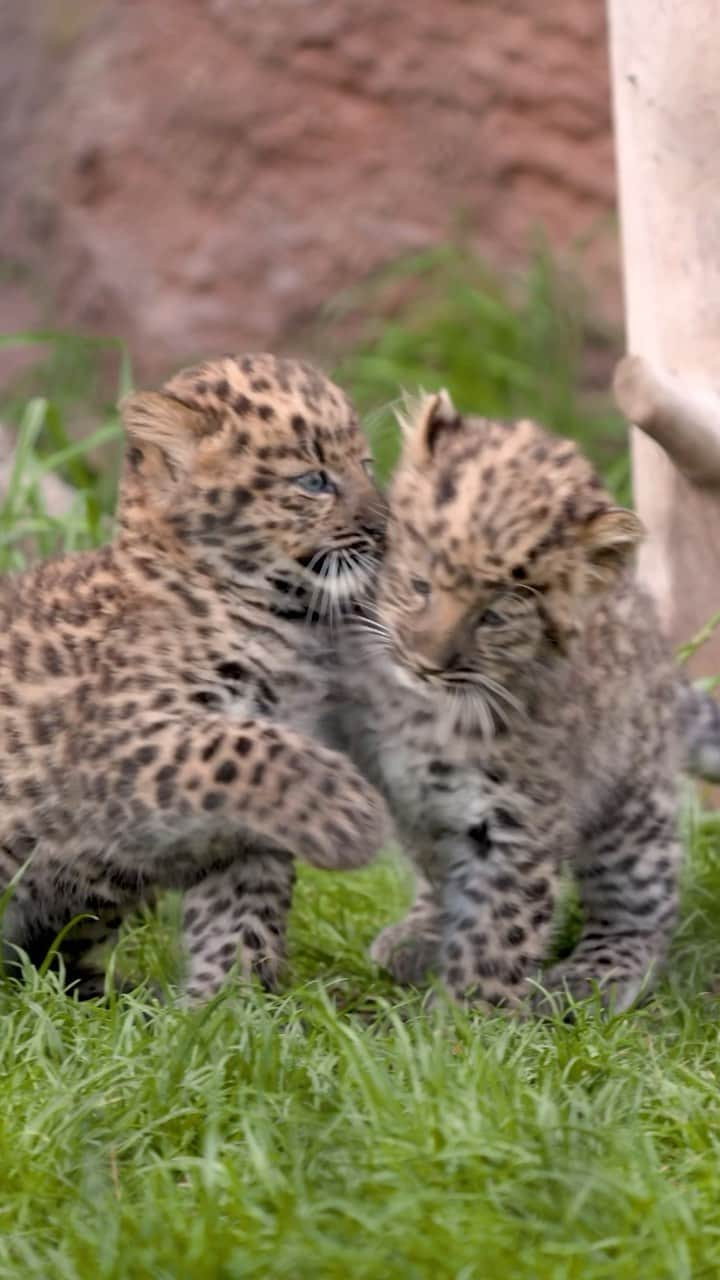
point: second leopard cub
(519, 712)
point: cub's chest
(432, 783)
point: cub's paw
(617, 986)
(353, 823)
(409, 957)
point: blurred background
(407, 192)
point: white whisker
(327, 600)
(478, 680)
(317, 591)
(370, 627)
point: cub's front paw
(352, 824)
(410, 958)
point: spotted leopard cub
(158, 697)
(519, 715)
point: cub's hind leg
(80, 947)
(238, 917)
(627, 871)
(84, 951)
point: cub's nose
(431, 653)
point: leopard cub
(158, 697)
(517, 706)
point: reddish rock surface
(198, 175)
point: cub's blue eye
(314, 482)
(421, 586)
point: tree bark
(665, 57)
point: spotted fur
(158, 697)
(511, 693)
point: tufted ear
(153, 418)
(610, 539)
(425, 420)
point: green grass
(341, 1130)
(67, 367)
(502, 348)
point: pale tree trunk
(665, 57)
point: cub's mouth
(326, 559)
(343, 573)
(333, 581)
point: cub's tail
(700, 727)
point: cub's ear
(153, 418)
(425, 420)
(610, 539)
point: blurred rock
(201, 175)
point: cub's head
(500, 538)
(256, 469)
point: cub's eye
(314, 482)
(369, 467)
(421, 585)
(491, 618)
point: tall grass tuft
(502, 348)
(48, 443)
